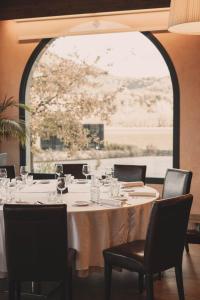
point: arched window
(103, 99)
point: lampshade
(185, 16)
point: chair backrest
(10, 171)
(177, 182)
(74, 169)
(36, 242)
(130, 172)
(3, 159)
(38, 176)
(166, 233)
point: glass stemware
(86, 170)
(61, 184)
(59, 170)
(3, 173)
(23, 173)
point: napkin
(143, 193)
(112, 203)
(132, 184)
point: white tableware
(81, 203)
(81, 181)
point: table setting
(101, 211)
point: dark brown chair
(177, 182)
(40, 176)
(10, 171)
(162, 249)
(36, 246)
(74, 169)
(130, 172)
(193, 235)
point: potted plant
(10, 127)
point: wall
(13, 58)
(184, 52)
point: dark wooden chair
(193, 235)
(36, 246)
(74, 169)
(177, 182)
(130, 172)
(10, 171)
(162, 249)
(40, 176)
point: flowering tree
(62, 94)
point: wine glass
(3, 176)
(23, 173)
(61, 184)
(59, 169)
(86, 170)
(3, 173)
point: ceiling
(17, 9)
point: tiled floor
(125, 283)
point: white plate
(81, 203)
(120, 198)
(44, 181)
(81, 181)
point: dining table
(92, 227)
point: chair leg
(18, 289)
(159, 275)
(187, 247)
(179, 282)
(149, 286)
(11, 290)
(141, 283)
(107, 278)
(68, 286)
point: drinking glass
(61, 184)
(59, 169)
(86, 171)
(3, 173)
(23, 173)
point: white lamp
(185, 16)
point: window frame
(176, 98)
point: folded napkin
(143, 193)
(132, 184)
(111, 202)
(22, 202)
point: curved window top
(102, 99)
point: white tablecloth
(91, 228)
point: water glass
(59, 170)
(23, 173)
(29, 179)
(3, 173)
(52, 197)
(86, 170)
(115, 187)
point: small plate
(81, 203)
(81, 181)
(120, 198)
(44, 181)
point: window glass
(102, 99)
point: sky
(126, 54)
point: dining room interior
(121, 120)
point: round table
(91, 228)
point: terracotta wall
(13, 58)
(184, 52)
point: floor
(125, 284)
